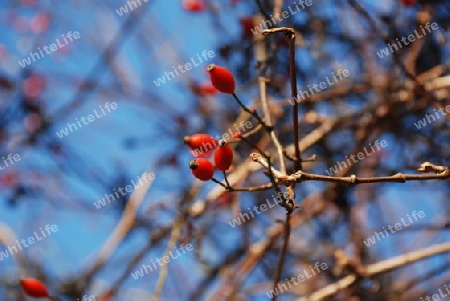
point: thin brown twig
(286, 236)
(225, 177)
(290, 35)
(258, 249)
(293, 76)
(440, 173)
(292, 158)
(175, 235)
(249, 189)
(252, 113)
(262, 56)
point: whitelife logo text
(128, 188)
(53, 47)
(169, 75)
(411, 38)
(124, 9)
(429, 118)
(360, 155)
(146, 269)
(266, 24)
(313, 271)
(340, 75)
(11, 250)
(244, 217)
(10, 158)
(90, 118)
(398, 226)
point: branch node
(352, 181)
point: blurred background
(122, 59)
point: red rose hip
(34, 288)
(202, 169)
(221, 78)
(203, 144)
(194, 5)
(223, 156)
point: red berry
(106, 297)
(221, 78)
(34, 288)
(247, 25)
(409, 2)
(202, 144)
(205, 89)
(194, 5)
(202, 169)
(223, 157)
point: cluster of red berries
(202, 168)
(222, 79)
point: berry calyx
(34, 288)
(202, 144)
(221, 78)
(223, 156)
(202, 169)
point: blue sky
(143, 131)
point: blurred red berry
(3, 52)
(225, 199)
(203, 144)
(194, 5)
(33, 86)
(171, 160)
(247, 25)
(181, 121)
(223, 156)
(32, 122)
(106, 297)
(39, 23)
(9, 179)
(221, 78)
(34, 288)
(202, 169)
(204, 89)
(409, 2)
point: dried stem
(286, 236)
(253, 113)
(175, 235)
(440, 173)
(293, 76)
